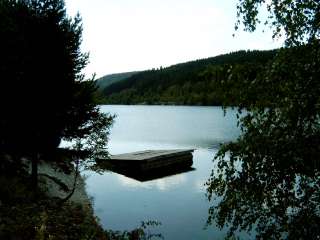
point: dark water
(177, 201)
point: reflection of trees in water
(270, 184)
(144, 232)
(272, 200)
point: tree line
(185, 83)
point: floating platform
(151, 164)
(152, 159)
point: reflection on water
(177, 201)
(144, 176)
(164, 184)
(167, 126)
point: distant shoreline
(158, 104)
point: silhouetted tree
(43, 96)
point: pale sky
(131, 35)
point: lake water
(177, 201)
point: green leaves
(298, 21)
(268, 180)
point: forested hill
(107, 80)
(182, 84)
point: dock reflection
(144, 176)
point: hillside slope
(109, 79)
(182, 84)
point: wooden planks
(151, 164)
(150, 155)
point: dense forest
(109, 79)
(191, 83)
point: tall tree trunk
(34, 173)
(76, 174)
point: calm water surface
(177, 201)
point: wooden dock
(151, 164)
(152, 159)
(143, 165)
